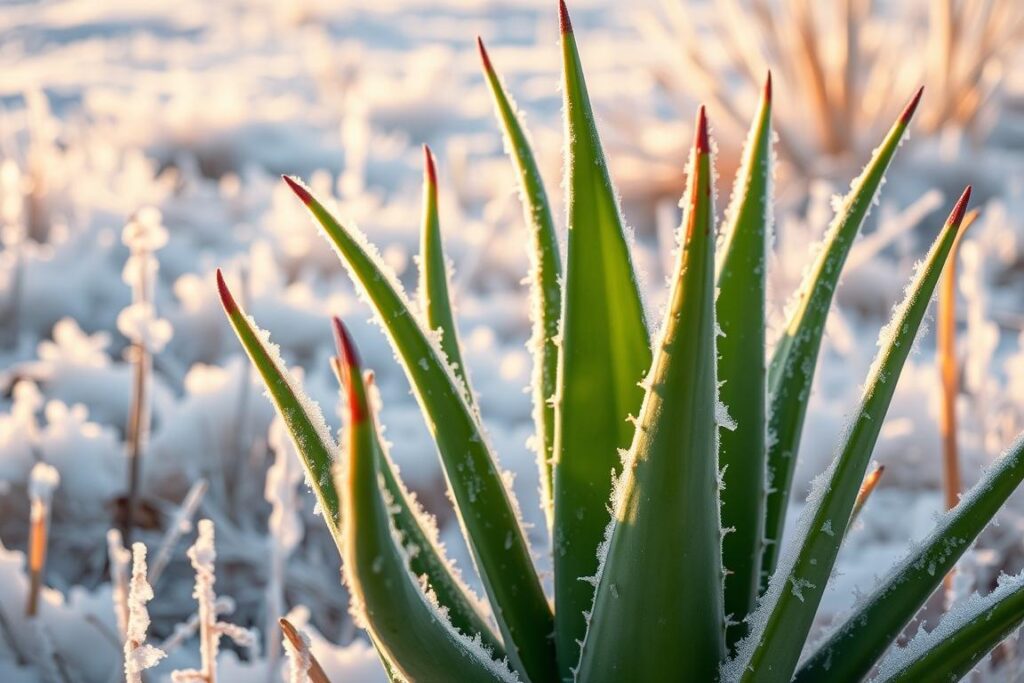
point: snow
(182, 115)
(42, 482)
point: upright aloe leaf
(484, 506)
(853, 648)
(434, 298)
(388, 600)
(604, 352)
(419, 534)
(657, 612)
(740, 311)
(791, 372)
(963, 637)
(783, 619)
(545, 281)
(309, 432)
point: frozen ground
(192, 107)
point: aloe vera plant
(677, 437)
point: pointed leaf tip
(343, 342)
(350, 368)
(300, 191)
(768, 87)
(908, 111)
(428, 165)
(700, 139)
(564, 24)
(484, 57)
(226, 300)
(957, 215)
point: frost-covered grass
(110, 107)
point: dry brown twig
(303, 662)
(838, 62)
(949, 374)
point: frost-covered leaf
(657, 611)
(852, 649)
(791, 371)
(485, 506)
(435, 299)
(963, 637)
(404, 622)
(783, 619)
(545, 280)
(604, 352)
(740, 312)
(420, 537)
(302, 416)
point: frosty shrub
(666, 460)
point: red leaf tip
(564, 24)
(300, 191)
(349, 364)
(957, 215)
(484, 57)
(908, 111)
(700, 139)
(343, 342)
(226, 300)
(428, 165)
(768, 87)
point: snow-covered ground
(108, 107)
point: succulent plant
(665, 462)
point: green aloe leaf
(604, 353)
(419, 533)
(854, 647)
(484, 505)
(313, 447)
(405, 624)
(305, 422)
(545, 280)
(791, 371)
(963, 637)
(657, 611)
(783, 619)
(740, 311)
(433, 290)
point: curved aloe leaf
(309, 432)
(658, 606)
(604, 353)
(740, 311)
(419, 533)
(434, 297)
(545, 280)
(782, 621)
(791, 372)
(853, 648)
(484, 506)
(963, 637)
(388, 600)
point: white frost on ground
(194, 108)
